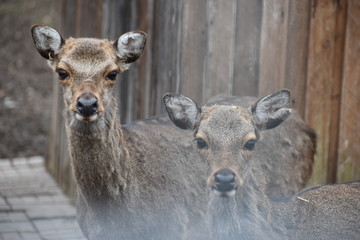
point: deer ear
(269, 111)
(47, 41)
(130, 46)
(183, 111)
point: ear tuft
(130, 46)
(183, 111)
(270, 111)
(47, 41)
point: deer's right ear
(47, 41)
(183, 111)
(130, 46)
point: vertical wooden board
(273, 46)
(349, 136)
(122, 21)
(67, 27)
(297, 52)
(131, 73)
(144, 22)
(319, 82)
(54, 140)
(335, 102)
(220, 54)
(166, 50)
(193, 49)
(247, 47)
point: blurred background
(200, 49)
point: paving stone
(62, 235)
(3, 204)
(51, 211)
(21, 203)
(8, 227)
(32, 206)
(30, 236)
(5, 164)
(11, 236)
(13, 217)
(55, 224)
(20, 162)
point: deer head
(87, 69)
(226, 136)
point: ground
(26, 81)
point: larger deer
(232, 140)
(133, 182)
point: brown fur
(134, 182)
(328, 212)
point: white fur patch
(93, 117)
(79, 117)
(224, 194)
(90, 119)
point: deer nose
(224, 180)
(87, 105)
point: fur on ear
(182, 110)
(269, 111)
(130, 46)
(47, 41)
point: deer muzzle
(224, 182)
(87, 107)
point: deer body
(137, 193)
(230, 139)
(135, 181)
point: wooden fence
(202, 48)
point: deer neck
(99, 155)
(244, 216)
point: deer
(133, 181)
(231, 139)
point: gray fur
(325, 212)
(139, 181)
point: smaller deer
(230, 139)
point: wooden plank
(320, 82)
(335, 100)
(247, 48)
(349, 137)
(273, 46)
(145, 15)
(297, 52)
(193, 49)
(220, 54)
(166, 51)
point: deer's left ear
(130, 46)
(47, 41)
(270, 111)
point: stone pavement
(32, 206)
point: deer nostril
(224, 180)
(87, 105)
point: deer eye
(63, 74)
(250, 145)
(112, 75)
(201, 144)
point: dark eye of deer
(112, 75)
(201, 144)
(250, 145)
(63, 74)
